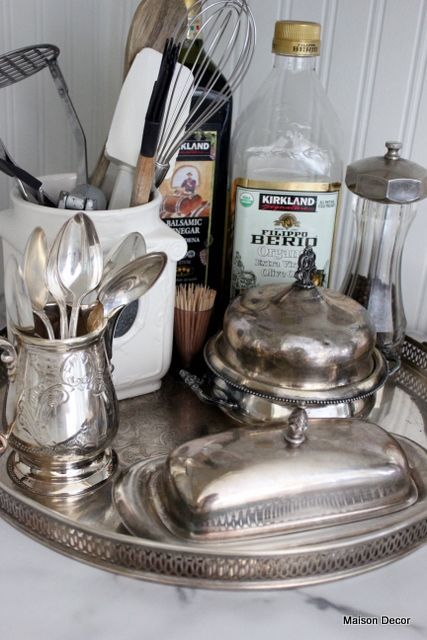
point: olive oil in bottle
(287, 168)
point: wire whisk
(227, 30)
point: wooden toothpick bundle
(193, 309)
(194, 297)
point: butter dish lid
(245, 482)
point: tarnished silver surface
(297, 345)
(256, 409)
(34, 272)
(390, 178)
(243, 483)
(18, 303)
(90, 529)
(61, 412)
(79, 263)
(285, 339)
(290, 345)
(240, 379)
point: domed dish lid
(298, 343)
(245, 482)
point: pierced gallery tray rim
(101, 543)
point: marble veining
(322, 604)
(43, 594)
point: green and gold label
(274, 223)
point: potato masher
(22, 63)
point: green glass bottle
(195, 196)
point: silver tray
(90, 530)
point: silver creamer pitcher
(61, 412)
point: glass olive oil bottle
(287, 168)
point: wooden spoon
(152, 22)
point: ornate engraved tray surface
(89, 529)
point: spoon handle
(74, 316)
(46, 322)
(63, 318)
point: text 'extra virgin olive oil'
(195, 195)
(287, 168)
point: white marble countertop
(46, 595)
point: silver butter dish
(258, 482)
(284, 345)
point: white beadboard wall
(373, 65)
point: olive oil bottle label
(187, 204)
(273, 223)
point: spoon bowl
(34, 271)
(130, 283)
(54, 283)
(79, 263)
(132, 246)
(17, 298)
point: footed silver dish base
(88, 528)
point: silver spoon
(34, 270)
(55, 286)
(132, 246)
(79, 263)
(127, 249)
(18, 304)
(130, 283)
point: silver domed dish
(294, 345)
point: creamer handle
(8, 357)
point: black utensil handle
(16, 172)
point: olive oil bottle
(286, 167)
(195, 196)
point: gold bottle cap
(295, 38)
(191, 9)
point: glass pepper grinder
(387, 186)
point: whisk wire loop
(227, 30)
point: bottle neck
(295, 63)
(194, 25)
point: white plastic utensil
(124, 138)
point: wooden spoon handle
(100, 170)
(143, 181)
(153, 22)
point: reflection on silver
(62, 413)
(153, 425)
(283, 346)
(248, 482)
